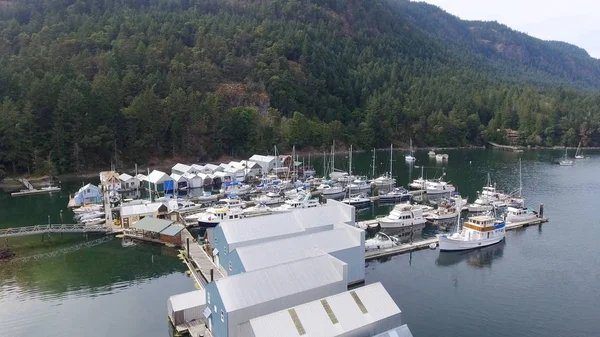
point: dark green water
(544, 281)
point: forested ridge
(88, 82)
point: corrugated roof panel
(172, 230)
(152, 224)
(181, 168)
(127, 210)
(248, 289)
(317, 321)
(188, 300)
(291, 249)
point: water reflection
(478, 258)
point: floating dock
(202, 267)
(409, 247)
(35, 191)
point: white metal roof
(222, 174)
(248, 289)
(275, 225)
(181, 168)
(125, 177)
(177, 177)
(157, 177)
(263, 159)
(90, 186)
(140, 177)
(190, 176)
(315, 319)
(276, 252)
(127, 210)
(401, 331)
(197, 167)
(249, 164)
(211, 167)
(196, 298)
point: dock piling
(541, 210)
(212, 275)
(188, 247)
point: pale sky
(573, 21)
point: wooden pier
(506, 147)
(61, 228)
(202, 267)
(409, 247)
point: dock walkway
(202, 263)
(408, 247)
(60, 228)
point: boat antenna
(520, 179)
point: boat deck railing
(53, 228)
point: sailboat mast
(373, 168)
(333, 157)
(350, 162)
(324, 164)
(520, 179)
(391, 158)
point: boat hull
(520, 218)
(394, 198)
(480, 208)
(207, 224)
(449, 244)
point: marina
(203, 266)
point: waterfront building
(181, 169)
(236, 299)
(186, 307)
(128, 182)
(159, 181)
(365, 311)
(194, 180)
(130, 214)
(230, 235)
(267, 163)
(88, 194)
(345, 242)
(109, 181)
(156, 230)
(181, 183)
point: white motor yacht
(88, 209)
(481, 204)
(359, 200)
(93, 221)
(185, 205)
(397, 194)
(230, 202)
(271, 198)
(259, 209)
(380, 241)
(439, 187)
(431, 153)
(90, 215)
(477, 232)
(328, 190)
(519, 214)
(214, 215)
(303, 200)
(402, 215)
(359, 184)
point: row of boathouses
(290, 274)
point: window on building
(222, 316)
(208, 298)
(230, 266)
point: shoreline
(10, 183)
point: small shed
(251, 168)
(172, 234)
(180, 181)
(237, 174)
(222, 176)
(109, 180)
(88, 194)
(157, 230)
(186, 307)
(267, 163)
(213, 168)
(159, 181)
(131, 214)
(180, 169)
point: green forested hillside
(87, 82)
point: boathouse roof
(366, 310)
(182, 168)
(401, 331)
(172, 230)
(135, 209)
(276, 252)
(157, 177)
(125, 177)
(248, 289)
(152, 224)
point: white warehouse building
(236, 299)
(344, 242)
(365, 311)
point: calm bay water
(543, 281)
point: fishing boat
(359, 200)
(409, 157)
(397, 194)
(514, 214)
(565, 161)
(431, 153)
(477, 232)
(579, 153)
(402, 215)
(385, 180)
(380, 241)
(446, 211)
(303, 200)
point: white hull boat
(579, 153)
(303, 200)
(257, 210)
(477, 232)
(380, 241)
(360, 200)
(88, 209)
(94, 221)
(91, 215)
(439, 187)
(519, 215)
(328, 190)
(402, 215)
(398, 194)
(565, 161)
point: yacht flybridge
(477, 232)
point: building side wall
(218, 327)
(376, 327)
(355, 259)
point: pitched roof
(262, 159)
(90, 186)
(152, 224)
(211, 167)
(135, 209)
(172, 230)
(197, 167)
(140, 177)
(276, 252)
(190, 176)
(177, 177)
(181, 168)
(248, 289)
(125, 177)
(188, 300)
(157, 177)
(331, 316)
